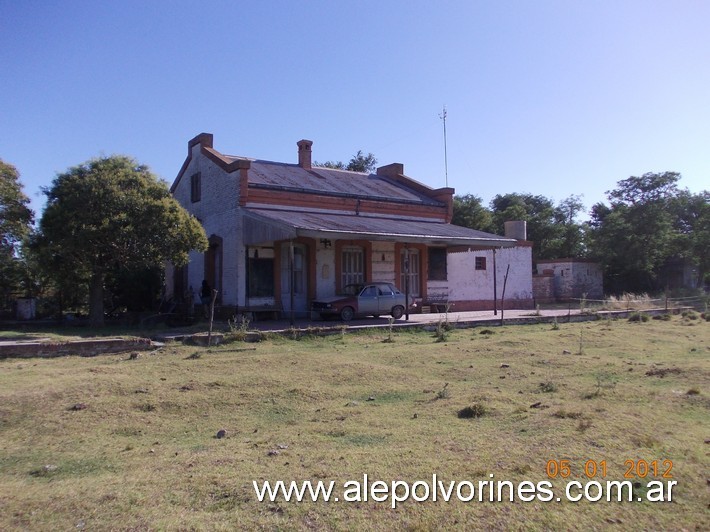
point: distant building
(565, 279)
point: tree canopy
(555, 231)
(15, 216)
(113, 211)
(358, 163)
(469, 211)
(15, 224)
(648, 224)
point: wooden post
(666, 294)
(292, 277)
(495, 285)
(502, 297)
(406, 282)
(209, 334)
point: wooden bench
(259, 312)
(438, 305)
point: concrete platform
(45, 348)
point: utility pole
(446, 159)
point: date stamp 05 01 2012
(634, 469)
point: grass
(144, 454)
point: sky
(546, 97)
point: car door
(386, 299)
(367, 301)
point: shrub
(548, 387)
(444, 393)
(475, 410)
(690, 315)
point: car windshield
(352, 289)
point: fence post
(666, 294)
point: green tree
(634, 235)
(691, 224)
(358, 163)
(15, 222)
(572, 237)
(538, 212)
(15, 215)
(113, 211)
(469, 211)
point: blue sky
(547, 97)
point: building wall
(382, 264)
(217, 211)
(574, 279)
(544, 288)
(471, 289)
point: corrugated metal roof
(284, 176)
(342, 225)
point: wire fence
(630, 302)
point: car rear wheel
(347, 314)
(397, 312)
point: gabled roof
(332, 182)
(388, 184)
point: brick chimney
(516, 229)
(304, 153)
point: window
(196, 187)
(352, 266)
(437, 264)
(385, 290)
(370, 291)
(261, 277)
(480, 263)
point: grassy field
(113, 443)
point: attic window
(480, 263)
(195, 187)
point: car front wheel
(347, 314)
(397, 312)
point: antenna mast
(446, 159)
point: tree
(470, 212)
(571, 241)
(538, 212)
(691, 224)
(633, 236)
(15, 221)
(112, 211)
(15, 216)
(358, 163)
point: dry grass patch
(144, 454)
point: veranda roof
(261, 225)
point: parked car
(372, 299)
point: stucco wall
(383, 270)
(217, 211)
(471, 289)
(574, 279)
(544, 288)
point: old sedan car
(372, 299)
